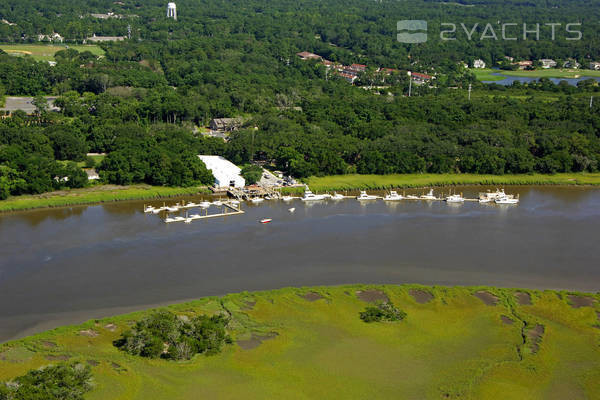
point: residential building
(525, 64)
(96, 39)
(571, 64)
(349, 76)
(547, 63)
(419, 78)
(92, 174)
(357, 68)
(225, 172)
(595, 65)
(226, 124)
(479, 63)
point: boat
(149, 209)
(179, 219)
(393, 196)
(287, 198)
(188, 220)
(506, 200)
(489, 197)
(190, 205)
(172, 208)
(310, 196)
(265, 221)
(412, 197)
(428, 196)
(195, 216)
(217, 203)
(337, 196)
(204, 204)
(455, 198)
(257, 200)
(364, 196)
(169, 219)
(234, 203)
(292, 210)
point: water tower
(172, 11)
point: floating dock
(189, 219)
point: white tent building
(225, 172)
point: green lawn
(45, 52)
(486, 73)
(452, 347)
(94, 194)
(348, 182)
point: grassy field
(348, 182)
(45, 52)
(485, 74)
(456, 343)
(94, 194)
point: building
(92, 174)
(225, 172)
(96, 39)
(525, 64)
(172, 11)
(55, 37)
(226, 124)
(357, 68)
(479, 63)
(547, 63)
(305, 55)
(419, 78)
(349, 77)
(571, 64)
(595, 65)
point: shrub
(163, 334)
(63, 381)
(382, 312)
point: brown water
(67, 265)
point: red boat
(265, 221)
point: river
(509, 80)
(67, 265)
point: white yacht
(506, 200)
(337, 196)
(455, 198)
(310, 196)
(393, 196)
(428, 196)
(364, 196)
(489, 197)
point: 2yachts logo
(415, 31)
(411, 26)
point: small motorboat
(157, 210)
(412, 197)
(257, 200)
(455, 198)
(393, 196)
(428, 196)
(292, 210)
(188, 220)
(489, 197)
(217, 203)
(172, 209)
(190, 205)
(364, 196)
(234, 203)
(179, 219)
(149, 209)
(265, 221)
(204, 204)
(337, 196)
(169, 219)
(287, 198)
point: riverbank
(95, 194)
(456, 342)
(399, 181)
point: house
(96, 39)
(509, 58)
(547, 63)
(571, 64)
(55, 37)
(305, 55)
(595, 65)
(226, 124)
(525, 64)
(226, 173)
(387, 71)
(357, 68)
(419, 78)
(349, 77)
(92, 174)
(479, 63)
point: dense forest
(143, 100)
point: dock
(225, 213)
